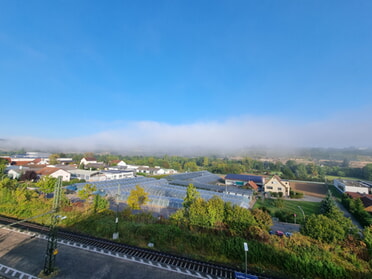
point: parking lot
(285, 227)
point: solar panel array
(163, 193)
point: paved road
(26, 254)
(285, 227)
(309, 199)
(349, 215)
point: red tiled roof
(47, 171)
(367, 201)
(353, 195)
(90, 159)
(253, 185)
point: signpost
(239, 275)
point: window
(269, 188)
(280, 188)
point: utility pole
(52, 251)
(245, 252)
(115, 235)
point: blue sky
(186, 73)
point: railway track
(142, 255)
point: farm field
(318, 190)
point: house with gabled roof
(151, 171)
(88, 160)
(277, 185)
(15, 172)
(119, 163)
(54, 172)
(252, 185)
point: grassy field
(290, 206)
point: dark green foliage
(100, 204)
(191, 195)
(284, 216)
(356, 207)
(367, 172)
(322, 228)
(296, 195)
(328, 204)
(28, 176)
(262, 218)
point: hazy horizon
(185, 76)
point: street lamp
(303, 214)
(245, 251)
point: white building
(117, 174)
(86, 161)
(87, 175)
(355, 186)
(151, 171)
(54, 172)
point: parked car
(279, 233)
(288, 234)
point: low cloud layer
(211, 137)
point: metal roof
(244, 177)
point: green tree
(367, 172)
(205, 162)
(47, 184)
(53, 159)
(198, 213)
(176, 165)
(138, 197)
(301, 171)
(368, 238)
(322, 228)
(336, 214)
(328, 204)
(312, 170)
(215, 211)
(190, 166)
(287, 173)
(87, 191)
(100, 204)
(3, 164)
(238, 219)
(191, 195)
(262, 218)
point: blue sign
(239, 275)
